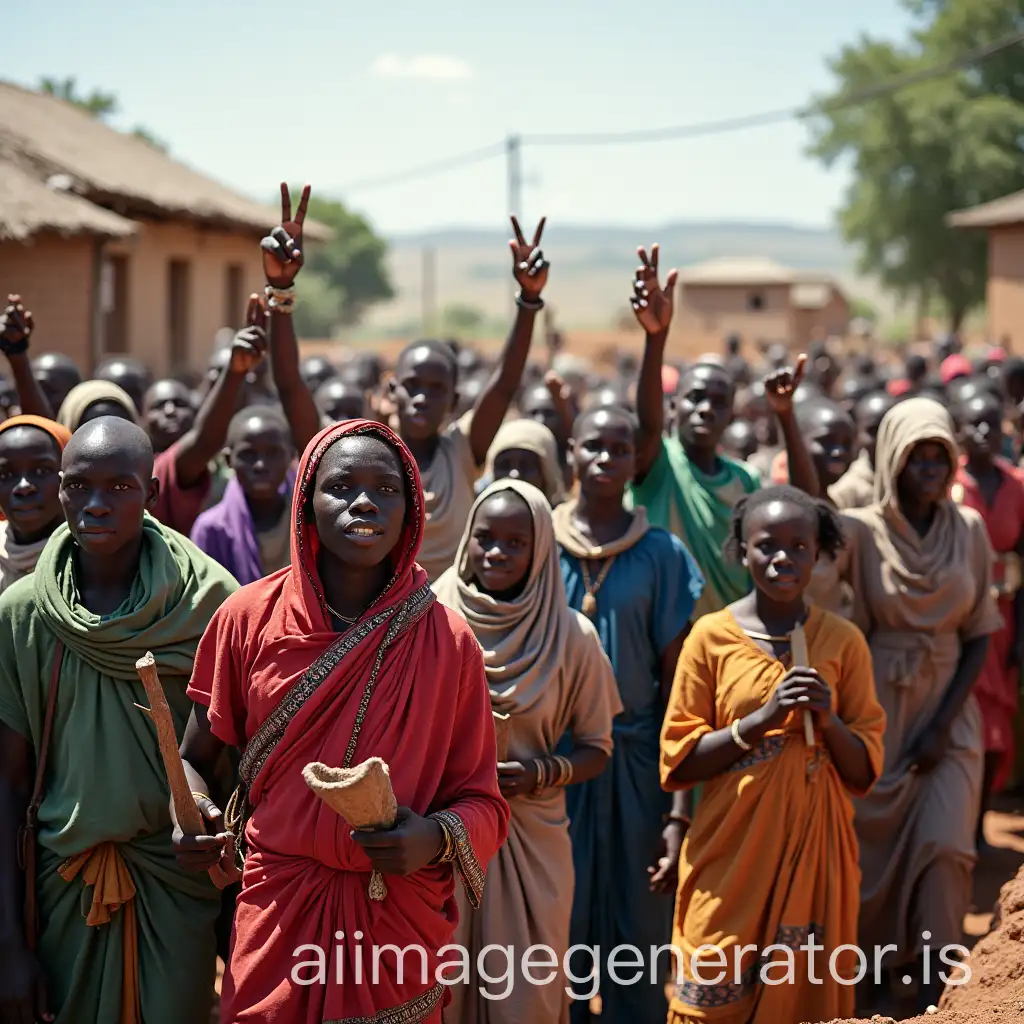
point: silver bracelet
(533, 306)
(737, 738)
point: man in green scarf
(687, 486)
(113, 904)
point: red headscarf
(428, 715)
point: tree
(344, 276)
(461, 320)
(101, 105)
(923, 151)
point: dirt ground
(996, 990)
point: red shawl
(429, 718)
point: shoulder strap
(44, 746)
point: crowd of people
(707, 661)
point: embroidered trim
(769, 747)
(412, 1012)
(465, 857)
(266, 738)
(693, 993)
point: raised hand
(282, 248)
(16, 326)
(780, 386)
(652, 304)
(250, 343)
(529, 267)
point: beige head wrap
(85, 394)
(531, 436)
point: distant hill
(591, 267)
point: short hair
(718, 368)
(270, 414)
(440, 348)
(616, 410)
(829, 528)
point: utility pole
(513, 160)
(429, 290)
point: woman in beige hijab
(548, 673)
(921, 569)
(526, 450)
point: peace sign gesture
(282, 248)
(652, 304)
(529, 267)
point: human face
(104, 407)
(705, 407)
(359, 500)
(869, 418)
(500, 548)
(104, 494)
(830, 436)
(260, 458)
(167, 413)
(424, 391)
(538, 405)
(925, 477)
(339, 401)
(604, 454)
(781, 549)
(981, 430)
(316, 371)
(29, 482)
(519, 464)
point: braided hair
(830, 531)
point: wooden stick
(189, 816)
(798, 651)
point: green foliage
(861, 309)
(98, 104)
(318, 306)
(922, 152)
(346, 275)
(462, 321)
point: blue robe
(643, 605)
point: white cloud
(426, 66)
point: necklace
(348, 620)
(591, 588)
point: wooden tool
(798, 653)
(189, 816)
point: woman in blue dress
(639, 585)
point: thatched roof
(28, 206)
(996, 214)
(45, 136)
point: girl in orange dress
(768, 875)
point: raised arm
(16, 326)
(208, 435)
(530, 270)
(282, 260)
(653, 306)
(779, 388)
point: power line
(474, 156)
(703, 128)
(852, 99)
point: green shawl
(172, 600)
(698, 509)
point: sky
(338, 93)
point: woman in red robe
(342, 656)
(994, 488)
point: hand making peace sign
(528, 264)
(282, 248)
(652, 304)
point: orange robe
(771, 856)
